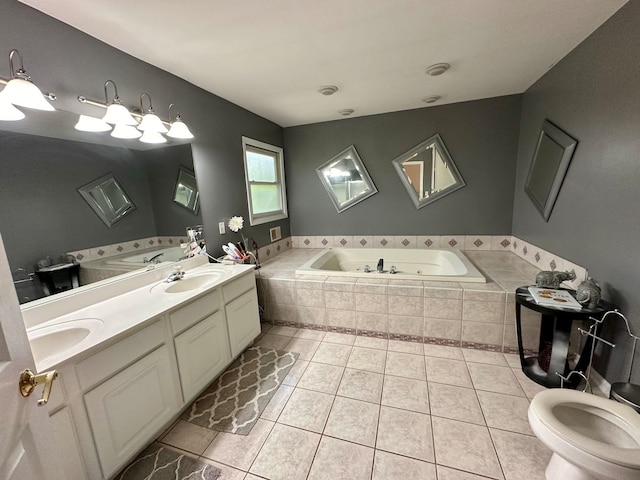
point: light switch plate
(221, 228)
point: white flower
(236, 223)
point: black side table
(555, 330)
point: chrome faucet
(380, 267)
(153, 259)
(177, 274)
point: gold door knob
(29, 380)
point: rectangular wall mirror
(186, 192)
(345, 179)
(428, 172)
(108, 199)
(548, 167)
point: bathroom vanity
(140, 351)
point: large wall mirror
(548, 167)
(44, 215)
(428, 172)
(345, 179)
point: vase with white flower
(240, 251)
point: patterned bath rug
(158, 462)
(234, 402)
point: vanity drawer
(238, 287)
(112, 359)
(194, 312)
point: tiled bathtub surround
(480, 316)
(134, 246)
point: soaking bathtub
(169, 254)
(443, 265)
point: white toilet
(591, 437)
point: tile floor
(367, 408)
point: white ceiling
(271, 56)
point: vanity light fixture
(152, 137)
(150, 121)
(437, 69)
(178, 128)
(147, 127)
(87, 123)
(8, 112)
(21, 91)
(431, 99)
(126, 132)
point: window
(264, 174)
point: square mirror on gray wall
(345, 179)
(108, 199)
(186, 193)
(549, 166)
(428, 172)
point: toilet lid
(622, 416)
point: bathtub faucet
(380, 267)
(153, 259)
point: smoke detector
(431, 99)
(437, 69)
(328, 89)
(345, 112)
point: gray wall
(593, 95)
(70, 63)
(481, 136)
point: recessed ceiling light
(328, 89)
(345, 112)
(437, 69)
(431, 99)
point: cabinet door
(130, 408)
(67, 441)
(243, 321)
(202, 351)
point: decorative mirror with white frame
(346, 180)
(428, 172)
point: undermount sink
(187, 283)
(55, 339)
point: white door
(27, 447)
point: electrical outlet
(221, 228)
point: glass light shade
(152, 137)
(118, 115)
(152, 123)
(125, 131)
(25, 94)
(91, 124)
(179, 130)
(8, 112)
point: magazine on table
(551, 297)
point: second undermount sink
(56, 339)
(188, 283)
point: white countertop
(123, 306)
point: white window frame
(270, 216)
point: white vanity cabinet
(241, 308)
(109, 403)
(201, 342)
(139, 397)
